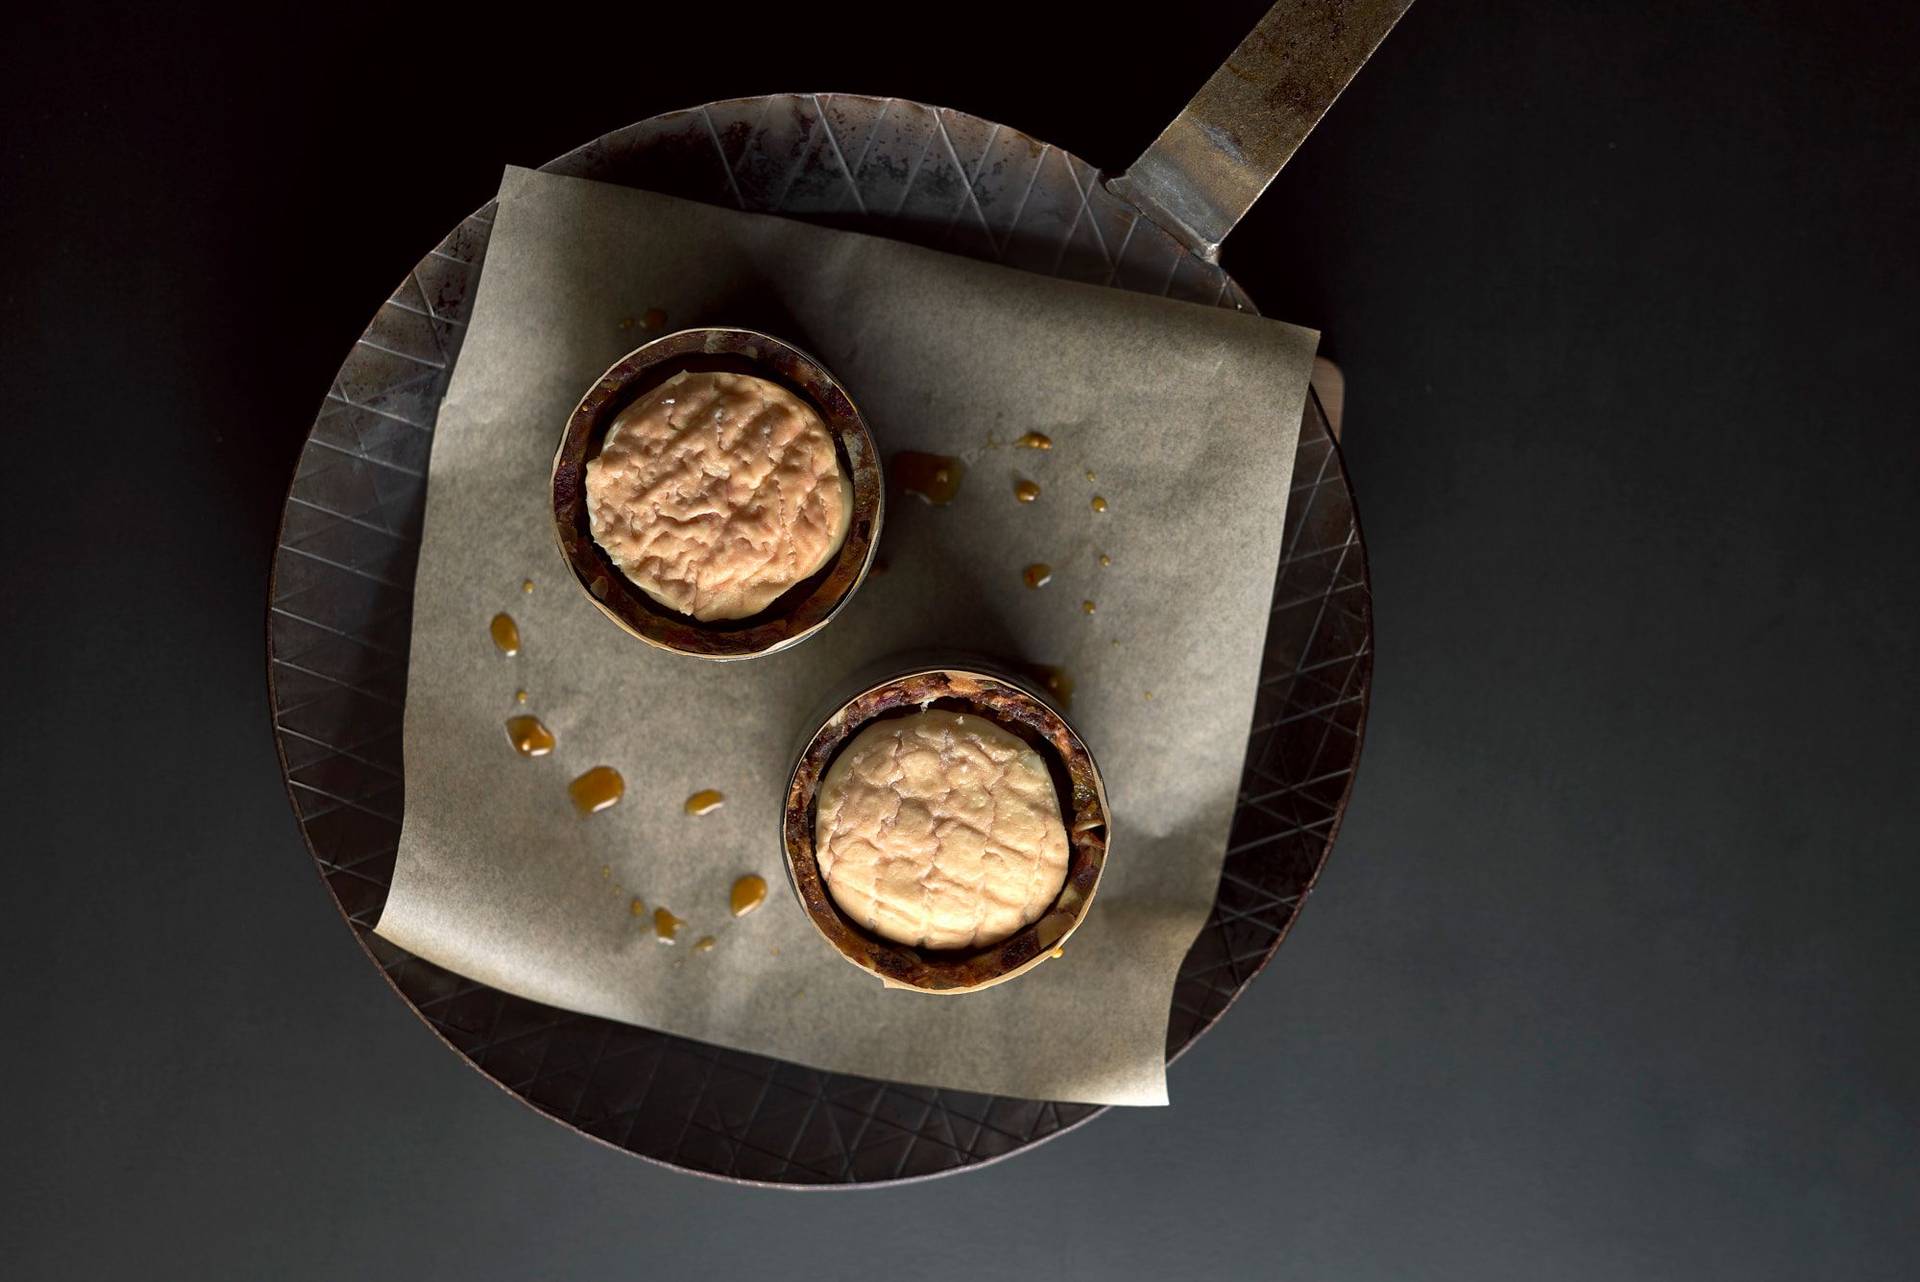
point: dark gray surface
(1612, 973)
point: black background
(1613, 974)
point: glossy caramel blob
(1058, 682)
(934, 478)
(530, 738)
(597, 789)
(748, 894)
(505, 633)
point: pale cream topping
(714, 493)
(940, 830)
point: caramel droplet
(1099, 504)
(597, 789)
(1037, 575)
(1105, 560)
(519, 696)
(706, 801)
(1058, 952)
(748, 894)
(934, 478)
(526, 585)
(1057, 681)
(1035, 441)
(506, 633)
(705, 944)
(1091, 476)
(1086, 607)
(529, 737)
(654, 318)
(637, 908)
(666, 925)
(1026, 491)
(1149, 696)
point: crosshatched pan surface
(340, 618)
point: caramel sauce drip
(519, 696)
(932, 477)
(506, 634)
(1037, 575)
(1099, 504)
(1035, 441)
(638, 908)
(1105, 560)
(666, 926)
(529, 737)
(1057, 681)
(748, 894)
(1091, 476)
(1086, 607)
(705, 945)
(706, 801)
(597, 789)
(1026, 491)
(526, 585)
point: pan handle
(1206, 169)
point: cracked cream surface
(940, 830)
(714, 493)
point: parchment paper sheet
(1187, 415)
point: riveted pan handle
(1206, 169)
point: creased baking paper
(1182, 417)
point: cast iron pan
(342, 592)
